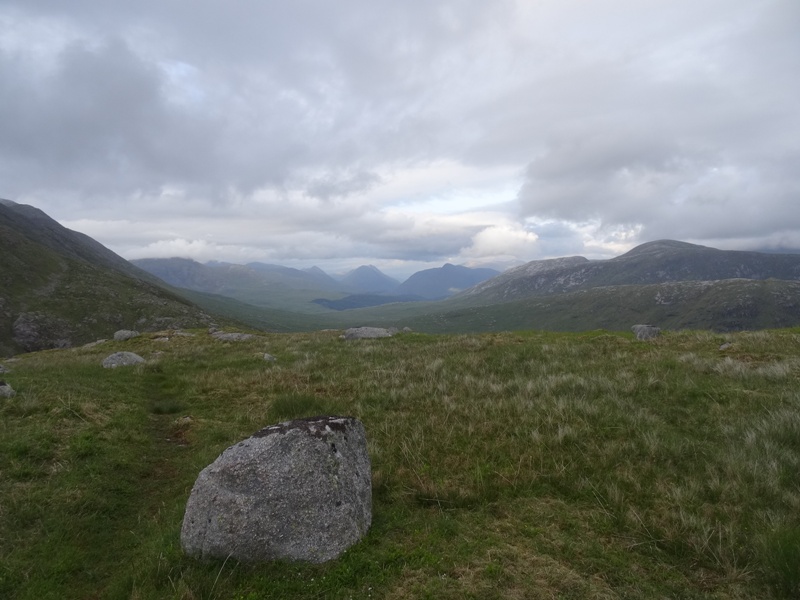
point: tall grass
(504, 465)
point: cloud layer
(404, 134)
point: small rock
(646, 332)
(184, 334)
(93, 344)
(725, 346)
(299, 490)
(3, 369)
(125, 334)
(183, 421)
(362, 333)
(232, 337)
(269, 357)
(121, 359)
(6, 391)
(407, 330)
(161, 339)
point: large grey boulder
(125, 334)
(360, 333)
(6, 391)
(300, 490)
(121, 359)
(646, 332)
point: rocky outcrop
(34, 331)
(360, 333)
(121, 359)
(646, 332)
(299, 490)
(232, 337)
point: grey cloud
(675, 119)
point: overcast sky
(404, 134)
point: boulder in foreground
(299, 490)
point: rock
(407, 330)
(38, 331)
(232, 337)
(299, 490)
(361, 333)
(725, 346)
(6, 391)
(93, 344)
(161, 339)
(125, 334)
(4, 369)
(121, 359)
(269, 357)
(646, 332)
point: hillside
(60, 288)
(532, 465)
(725, 305)
(651, 263)
(258, 284)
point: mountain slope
(267, 286)
(651, 263)
(444, 281)
(369, 279)
(724, 305)
(60, 288)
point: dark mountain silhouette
(370, 280)
(444, 281)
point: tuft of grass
(781, 559)
(295, 406)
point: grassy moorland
(513, 465)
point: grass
(508, 465)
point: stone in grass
(299, 490)
(646, 332)
(3, 369)
(232, 337)
(361, 333)
(269, 358)
(6, 391)
(125, 334)
(121, 359)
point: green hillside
(60, 288)
(516, 465)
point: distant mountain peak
(444, 281)
(660, 246)
(369, 279)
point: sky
(404, 134)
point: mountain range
(59, 288)
(311, 290)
